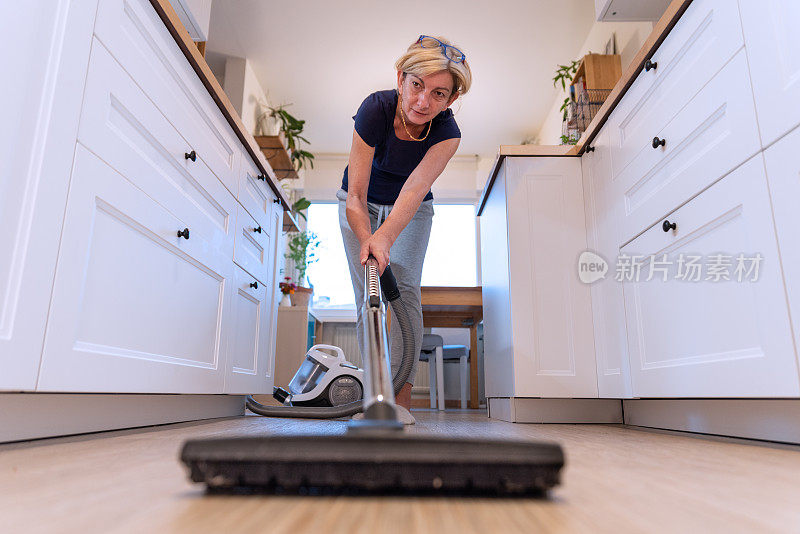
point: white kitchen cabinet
(712, 134)
(137, 38)
(537, 314)
(725, 335)
(123, 127)
(254, 193)
(195, 16)
(629, 10)
(250, 359)
(773, 41)
(702, 42)
(783, 177)
(136, 307)
(251, 367)
(608, 306)
(45, 54)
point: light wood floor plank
(617, 479)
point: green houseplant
(303, 252)
(292, 127)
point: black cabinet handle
(658, 142)
(184, 233)
(650, 65)
(190, 155)
(276, 201)
(257, 229)
(262, 177)
(254, 285)
(589, 149)
(667, 226)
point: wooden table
(456, 307)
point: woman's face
(425, 97)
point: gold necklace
(402, 118)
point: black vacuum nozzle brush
(393, 463)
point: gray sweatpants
(405, 256)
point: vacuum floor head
(391, 462)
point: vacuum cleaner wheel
(344, 389)
(384, 463)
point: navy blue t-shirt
(394, 158)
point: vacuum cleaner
(323, 380)
(375, 454)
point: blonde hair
(421, 61)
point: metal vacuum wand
(379, 405)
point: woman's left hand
(378, 245)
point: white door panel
(550, 308)
(709, 338)
(46, 52)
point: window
(451, 258)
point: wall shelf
(278, 156)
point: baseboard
(426, 403)
(530, 410)
(763, 419)
(44, 415)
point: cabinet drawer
(254, 193)
(710, 136)
(252, 248)
(250, 356)
(136, 37)
(702, 337)
(135, 308)
(125, 129)
(703, 40)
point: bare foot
(404, 397)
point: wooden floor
(617, 479)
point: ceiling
(324, 57)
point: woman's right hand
(379, 247)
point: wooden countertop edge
(203, 71)
(654, 40)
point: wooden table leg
(318, 326)
(473, 365)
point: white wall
(630, 37)
(246, 95)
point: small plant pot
(301, 296)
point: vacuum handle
(372, 292)
(339, 352)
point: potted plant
(291, 127)
(302, 251)
(288, 288)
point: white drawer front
(252, 248)
(708, 338)
(254, 193)
(250, 354)
(135, 308)
(773, 48)
(711, 135)
(704, 39)
(123, 127)
(136, 37)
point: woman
(402, 142)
